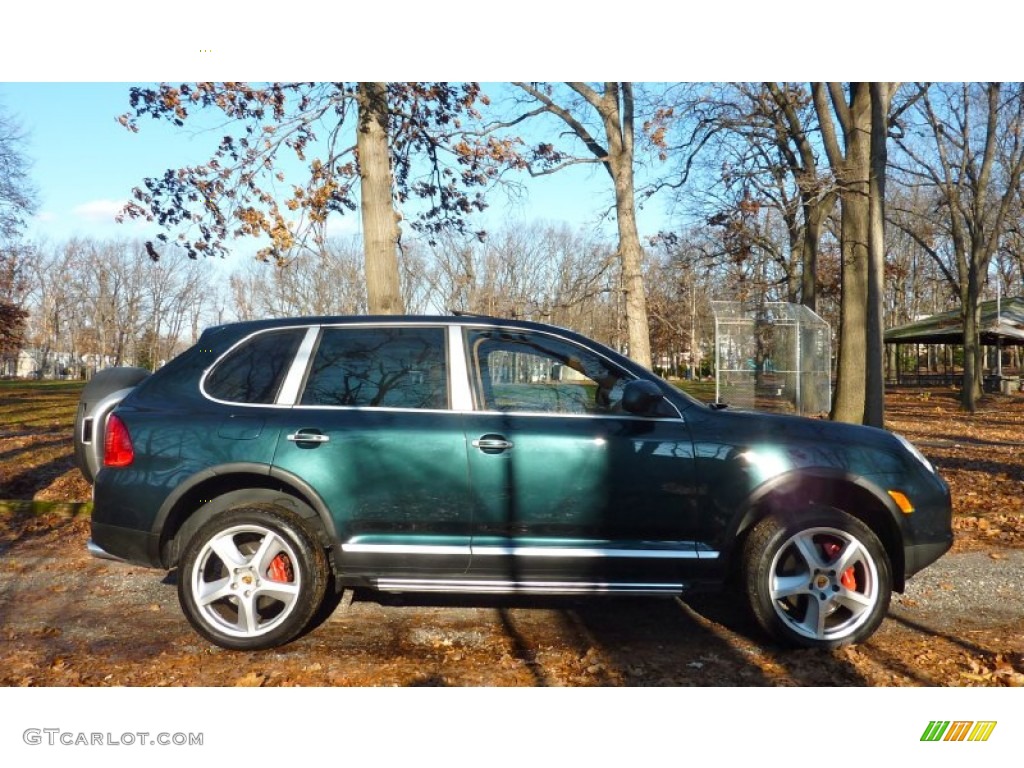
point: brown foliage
(243, 190)
(981, 456)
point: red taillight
(117, 444)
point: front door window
(522, 373)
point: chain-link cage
(772, 356)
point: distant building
(39, 364)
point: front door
(568, 489)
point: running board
(498, 587)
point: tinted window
(536, 373)
(379, 368)
(253, 371)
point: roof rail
(465, 313)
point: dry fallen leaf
(250, 680)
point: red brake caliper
(848, 579)
(280, 569)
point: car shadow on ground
(707, 640)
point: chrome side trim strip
(670, 554)
(458, 371)
(558, 415)
(491, 551)
(289, 393)
(404, 549)
(505, 414)
(495, 586)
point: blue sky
(85, 165)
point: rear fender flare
(232, 485)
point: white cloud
(99, 211)
(45, 216)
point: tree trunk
(970, 308)
(616, 110)
(874, 401)
(631, 255)
(380, 220)
(850, 385)
(814, 217)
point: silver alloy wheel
(245, 581)
(824, 583)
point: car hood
(778, 443)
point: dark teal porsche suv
(278, 462)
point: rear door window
(379, 368)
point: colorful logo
(958, 730)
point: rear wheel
(252, 578)
(819, 580)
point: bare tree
(13, 288)
(539, 272)
(17, 200)
(174, 293)
(758, 141)
(100, 303)
(612, 107)
(851, 165)
(874, 395)
(972, 163)
(56, 323)
(17, 194)
(380, 220)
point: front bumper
(919, 556)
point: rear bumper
(133, 546)
(97, 551)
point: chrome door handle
(309, 437)
(492, 444)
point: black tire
(820, 579)
(252, 578)
(89, 457)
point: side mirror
(639, 397)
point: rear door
(373, 432)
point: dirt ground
(67, 619)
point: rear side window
(254, 370)
(379, 368)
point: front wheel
(820, 580)
(252, 578)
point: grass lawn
(36, 446)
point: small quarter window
(253, 371)
(379, 368)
